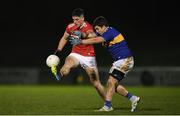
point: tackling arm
(94, 40)
(90, 34)
(76, 41)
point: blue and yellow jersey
(116, 44)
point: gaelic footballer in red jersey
(85, 29)
(82, 55)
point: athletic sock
(129, 95)
(108, 103)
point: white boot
(135, 100)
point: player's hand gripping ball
(52, 60)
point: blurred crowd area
(139, 76)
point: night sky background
(30, 30)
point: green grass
(83, 100)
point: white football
(52, 60)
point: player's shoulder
(112, 29)
(70, 25)
(87, 24)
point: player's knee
(65, 71)
(118, 76)
(91, 73)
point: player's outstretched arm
(94, 40)
(63, 41)
(76, 41)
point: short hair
(78, 12)
(100, 21)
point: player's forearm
(62, 43)
(91, 35)
(93, 40)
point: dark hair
(78, 12)
(100, 21)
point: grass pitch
(83, 100)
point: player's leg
(70, 62)
(124, 66)
(94, 79)
(90, 66)
(133, 98)
(113, 79)
(110, 88)
(121, 90)
(109, 94)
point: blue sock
(129, 95)
(108, 103)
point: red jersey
(84, 50)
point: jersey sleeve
(70, 28)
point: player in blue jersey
(122, 56)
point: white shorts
(123, 65)
(85, 61)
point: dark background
(30, 30)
